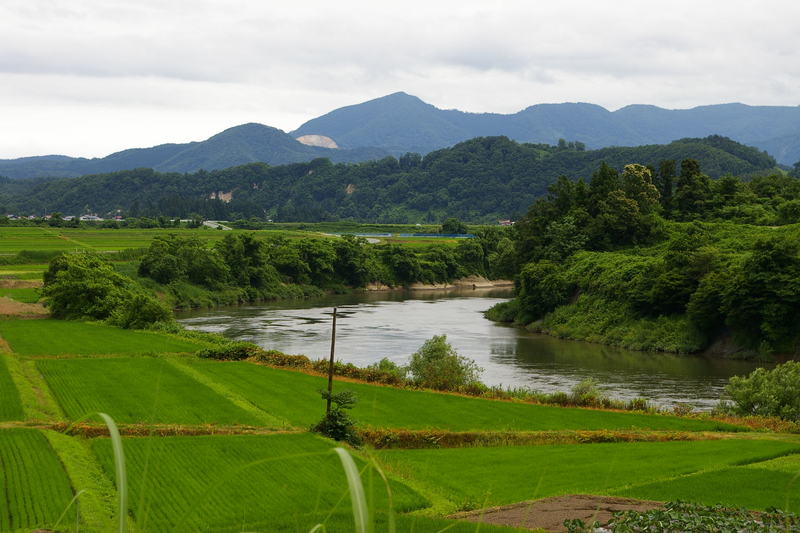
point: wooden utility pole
(330, 364)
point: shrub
(765, 392)
(337, 424)
(587, 392)
(437, 365)
(234, 351)
(387, 366)
(85, 285)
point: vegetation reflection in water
(395, 324)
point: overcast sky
(90, 77)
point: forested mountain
(400, 123)
(247, 143)
(479, 180)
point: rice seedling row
(759, 485)
(137, 390)
(49, 337)
(498, 476)
(295, 397)
(228, 482)
(34, 489)
(10, 404)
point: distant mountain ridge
(401, 123)
(247, 143)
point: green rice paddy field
(238, 455)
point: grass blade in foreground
(119, 464)
(360, 511)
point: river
(371, 326)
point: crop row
(34, 489)
(135, 390)
(242, 481)
(10, 406)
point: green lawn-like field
(503, 475)
(34, 489)
(756, 486)
(295, 397)
(239, 483)
(25, 295)
(70, 337)
(10, 406)
(134, 390)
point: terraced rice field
(137, 390)
(10, 406)
(63, 337)
(647, 470)
(34, 489)
(240, 482)
(295, 397)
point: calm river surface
(371, 326)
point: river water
(371, 326)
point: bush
(337, 424)
(438, 366)
(234, 351)
(765, 392)
(388, 367)
(85, 285)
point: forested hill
(247, 143)
(479, 180)
(400, 123)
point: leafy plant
(336, 423)
(437, 365)
(774, 392)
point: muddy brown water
(371, 326)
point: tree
(337, 424)
(453, 226)
(637, 183)
(693, 191)
(437, 365)
(774, 392)
(85, 285)
(762, 299)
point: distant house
(90, 217)
(506, 222)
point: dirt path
(19, 283)
(549, 513)
(13, 308)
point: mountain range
(401, 123)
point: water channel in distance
(373, 325)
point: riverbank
(469, 282)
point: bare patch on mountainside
(549, 513)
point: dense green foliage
(774, 392)
(337, 424)
(483, 179)
(437, 365)
(34, 488)
(681, 517)
(603, 262)
(84, 285)
(242, 267)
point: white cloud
(155, 71)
